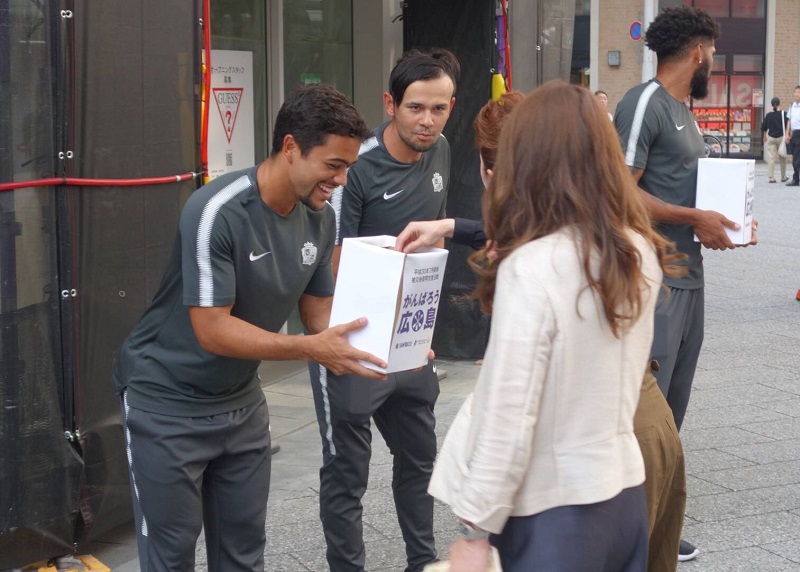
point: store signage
(741, 90)
(228, 101)
(231, 123)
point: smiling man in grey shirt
(251, 245)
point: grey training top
(383, 195)
(231, 249)
(660, 135)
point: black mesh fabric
(115, 84)
(135, 102)
(467, 29)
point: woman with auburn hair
(488, 124)
(549, 465)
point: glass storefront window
(318, 47)
(748, 8)
(581, 45)
(730, 114)
(723, 8)
(583, 7)
(716, 8)
(745, 126)
(719, 63)
(241, 25)
(748, 63)
(318, 43)
(712, 112)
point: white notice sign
(231, 124)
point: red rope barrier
(78, 182)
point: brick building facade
(785, 63)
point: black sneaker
(793, 184)
(687, 551)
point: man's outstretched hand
(420, 234)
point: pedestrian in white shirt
(793, 137)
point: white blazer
(552, 419)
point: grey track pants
(402, 408)
(194, 472)
(677, 339)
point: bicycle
(713, 146)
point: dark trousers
(677, 339)
(794, 149)
(189, 473)
(609, 536)
(402, 408)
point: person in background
(793, 137)
(774, 130)
(251, 246)
(602, 97)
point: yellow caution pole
(83, 563)
(498, 86)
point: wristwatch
(470, 532)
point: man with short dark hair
(793, 137)
(251, 245)
(662, 144)
(403, 173)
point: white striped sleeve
(338, 193)
(636, 124)
(207, 218)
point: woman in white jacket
(547, 462)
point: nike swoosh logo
(679, 128)
(254, 257)
(387, 195)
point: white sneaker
(687, 551)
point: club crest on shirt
(438, 183)
(309, 252)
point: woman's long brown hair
(560, 163)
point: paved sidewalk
(742, 429)
(741, 434)
(294, 532)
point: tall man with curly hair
(662, 144)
